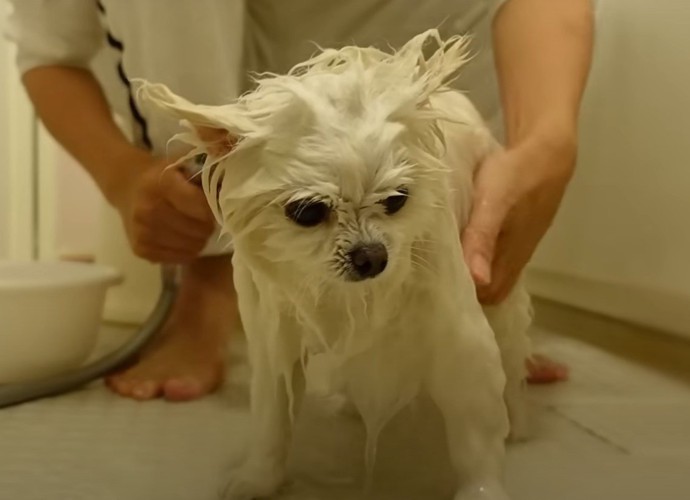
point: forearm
(72, 106)
(543, 54)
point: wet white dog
(344, 186)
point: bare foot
(178, 367)
(187, 361)
(543, 370)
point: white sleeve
(54, 32)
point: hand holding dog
(166, 218)
(517, 193)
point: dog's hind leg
(510, 321)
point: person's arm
(167, 219)
(72, 106)
(56, 42)
(543, 53)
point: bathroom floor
(618, 430)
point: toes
(134, 389)
(186, 389)
(146, 390)
(179, 370)
(119, 385)
(183, 389)
(542, 370)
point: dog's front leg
(510, 321)
(263, 471)
(466, 382)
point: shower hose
(16, 393)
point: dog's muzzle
(367, 261)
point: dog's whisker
(422, 266)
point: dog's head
(328, 173)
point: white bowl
(50, 314)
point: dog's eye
(393, 204)
(307, 213)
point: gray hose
(13, 394)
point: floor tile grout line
(588, 430)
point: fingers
(516, 196)
(478, 246)
(494, 196)
(166, 217)
(160, 233)
(151, 249)
(514, 248)
(479, 238)
(522, 231)
(498, 290)
(161, 255)
(495, 292)
(166, 244)
(183, 226)
(167, 237)
(185, 196)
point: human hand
(167, 218)
(517, 193)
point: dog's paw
(488, 491)
(253, 482)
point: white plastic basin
(50, 314)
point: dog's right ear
(217, 128)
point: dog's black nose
(369, 260)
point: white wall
(16, 160)
(48, 206)
(70, 204)
(4, 169)
(78, 216)
(621, 243)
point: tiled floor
(619, 430)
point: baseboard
(641, 306)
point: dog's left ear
(217, 128)
(434, 68)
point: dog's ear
(217, 128)
(434, 67)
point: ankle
(207, 281)
(207, 302)
(209, 273)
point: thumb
(186, 197)
(479, 238)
